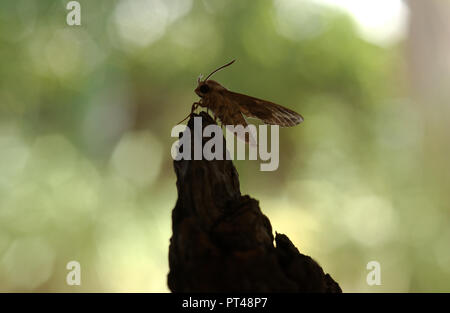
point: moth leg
(200, 103)
(194, 106)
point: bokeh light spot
(138, 157)
(27, 263)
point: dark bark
(222, 242)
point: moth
(231, 108)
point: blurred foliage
(85, 119)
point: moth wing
(250, 136)
(231, 115)
(268, 112)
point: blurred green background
(86, 113)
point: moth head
(206, 86)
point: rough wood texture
(222, 242)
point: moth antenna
(218, 69)
(194, 106)
(184, 118)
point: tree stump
(221, 240)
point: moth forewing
(266, 111)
